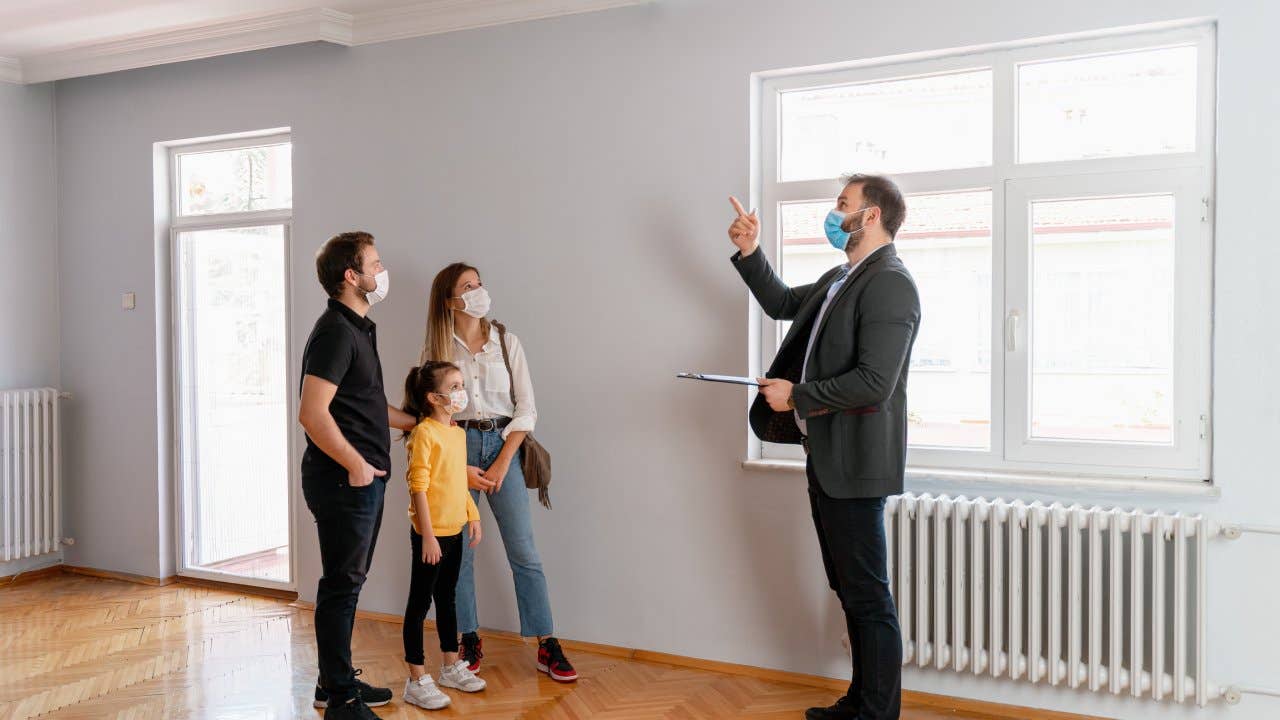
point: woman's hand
(473, 530)
(431, 552)
(476, 479)
(497, 473)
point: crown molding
(442, 16)
(257, 32)
(190, 43)
(10, 70)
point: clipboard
(731, 379)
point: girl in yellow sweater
(439, 507)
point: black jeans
(856, 557)
(347, 521)
(437, 581)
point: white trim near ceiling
(10, 70)
(191, 42)
(257, 32)
(442, 16)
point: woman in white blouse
(458, 331)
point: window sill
(954, 482)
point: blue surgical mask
(834, 227)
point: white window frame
(1189, 176)
(179, 224)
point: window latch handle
(1011, 331)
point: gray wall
(28, 238)
(29, 247)
(583, 164)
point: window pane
(946, 244)
(239, 180)
(941, 122)
(234, 390)
(1138, 103)
(1102, 319)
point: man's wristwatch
(791, 402)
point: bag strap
(506, 359)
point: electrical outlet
(129, 301)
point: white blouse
(489, 384)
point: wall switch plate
(129, 301)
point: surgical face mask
(834, 227)
(381, 286)
(476, 302)
(458, 400)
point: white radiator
(1105, 600)
(30, 478)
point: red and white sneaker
(472, 650)
(551, 660)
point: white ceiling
(52, 39)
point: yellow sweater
(438, 467)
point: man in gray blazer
(838, 386)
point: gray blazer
(855, 404)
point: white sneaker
(424, 693)
(457, 676)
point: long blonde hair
(438, 343)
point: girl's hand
(497, 473)
(473, 529)
(431, 552)
(477, 481)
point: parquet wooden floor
(74, 648)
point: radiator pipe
(1235, 530)
(1233, 693)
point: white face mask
(476, 302)
(381, 286)
(458, 400)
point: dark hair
(423, 380)
(883, 193)
(339, 254)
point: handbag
(537, 461)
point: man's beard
(855, 234)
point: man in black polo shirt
(345, 413)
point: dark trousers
(856, 557)
(437, 581)
(347, 521)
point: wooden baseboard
(1011, 712)
(286, 595)
(942, 702)
(752, 671)
(29, 575)
(126, 577)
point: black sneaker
(551, 660)
(372, 696)
(472, 650)
(844, 709)
(356, 709)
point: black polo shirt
(343, 349)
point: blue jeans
(510, 506)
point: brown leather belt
(485, 425)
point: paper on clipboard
(731, 379)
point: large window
(1058, 228)
(231, 204)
